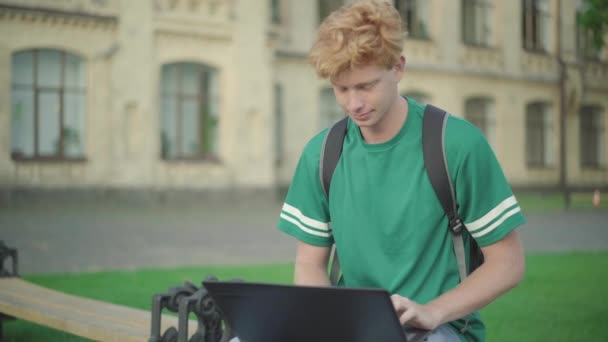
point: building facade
(217, 94)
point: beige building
(217, 94)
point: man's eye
(368, 86)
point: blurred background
(163, 133)
(212, 95)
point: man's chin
(363, 123)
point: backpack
(435, 162)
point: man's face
(368, 92)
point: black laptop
(260, 312)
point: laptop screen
(267, 312)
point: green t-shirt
(386, 221)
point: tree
(593, 16)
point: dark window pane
(48, 129)
(468, 21)
(22, 122)
(49, 68)
(414, 14)
(190, 128)
(74, 127)
(537, 134)
(169, 79)
(592, 136)
(169, 127)
(190, 75)
(480, 112)
(476, 114)
(52, 99)
(23, 68)
(74, 72)
(328, 6)
(190, 112)
(275, 10)
(211, 107)
(536, 25)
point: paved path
(76, 236)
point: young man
(386, 221)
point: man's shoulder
(461, 136)
(313, 148)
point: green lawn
(539, 203)
(561, 299)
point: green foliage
(594, 17)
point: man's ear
(399, 68)
(400, 65)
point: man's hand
(414, 314)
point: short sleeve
(486, 201)
(305, 213)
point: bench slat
(36, 293)
(76, 315)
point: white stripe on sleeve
(497, 223)
(304, 219)
(492, 214)
(301, 226)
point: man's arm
(311, 265)
(502, 270)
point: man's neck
(389, 125)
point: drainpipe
(563, 179)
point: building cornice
(45, 13)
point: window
(419, 97)
(539, 135)
(275, 11)
(593, 136)
(278, 124)
(536, 25)
(328, 6)
(476, 22)
(414, 14)
(480, 112)
(48, 114)
(331, 112)
(189, 110)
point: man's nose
(354, 103)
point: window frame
(539, 128)
(276, 12)
(409, 10)
(484, 7)
(204, 100)
(487, 116)
(533, 19)
(592, 130)
(60, 91)
(325, 7)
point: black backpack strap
(331, 152)
(435, 161)
(436, 164)
(330, 155)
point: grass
(561, 299)
(540, 203)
